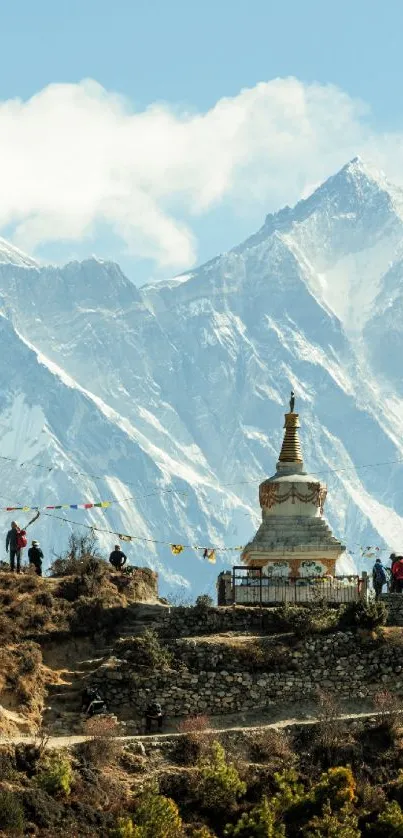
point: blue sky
(189, 56)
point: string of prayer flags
(176, 549)
(103, 504)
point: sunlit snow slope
(173, 391)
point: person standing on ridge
(398, 574)
(117, 558)
(12, 543)
(392, 585)
(379, 578)
(35, 557)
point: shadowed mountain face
(180, 387)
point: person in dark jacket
(12, 544)
(379, 577)
(35, 557)
(154, 714)
(117, 558)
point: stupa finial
(291, 453)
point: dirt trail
(65, 741)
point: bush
(103, 748)
(389, 709)
(369, 615)
(342, 824)
(220, 785)
(189, 747)
(204, 602)
(11, 813)
(389, 823)
(302, 620)
(262, 821)
(146, 651)
(336, 786)
(194, 724)
(124, 829)
(55, 775)
(156, 817)
(329, 732)
(268, 744)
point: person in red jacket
(398, 574)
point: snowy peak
(11, 255)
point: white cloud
(75, 156)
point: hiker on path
(35, 557)
(398, 574)
(154, 714)
(117, 558)
(379, 578)
(12, 544)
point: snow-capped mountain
(174, 394)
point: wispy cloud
(76, 156)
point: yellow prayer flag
(105, 504)
(176, 549)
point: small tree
(220, 785)
(55, 775)
(156, 816)
(204, 602)
(389, 823)
(261, 822)
(336, 786)
(342, 824)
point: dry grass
(103, 748)
(272, 747)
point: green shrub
(55, 775)
(124, 829)
(156, 817)
(220, 785)
(11, 813)
(261, 822)
(146, 650)
(204, 602)
(336, 786)
(389, 823)
(342, 824)
(304, 620)
(370, 615)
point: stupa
(294, 539)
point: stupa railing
(251, 586)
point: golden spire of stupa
(291, 447)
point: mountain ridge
(181, 385)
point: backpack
(379, 573)
(21, 540)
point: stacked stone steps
(64, 700)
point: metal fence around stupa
(250, 586)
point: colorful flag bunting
(176, 549)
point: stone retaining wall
(394, 604)
(190, 622)
(341, 663)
